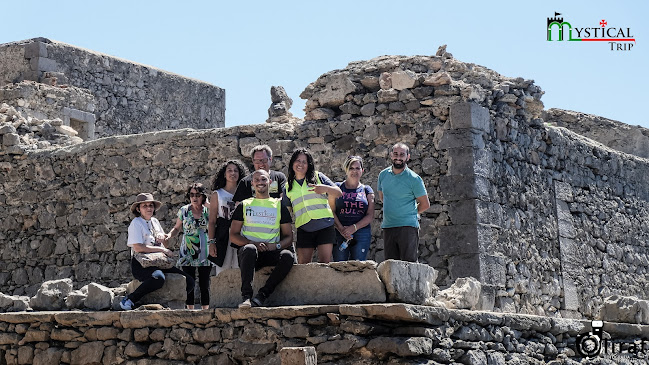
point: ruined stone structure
(542, 216)
(341, 334)
(100, 95)
(549, 221)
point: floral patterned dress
(193, 247)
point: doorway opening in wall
(81, 127)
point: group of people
(246, 222)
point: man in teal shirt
(404, 197)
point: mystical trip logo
(593, 344)
(619, 38)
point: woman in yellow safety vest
(311, 195)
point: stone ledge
(314, 283)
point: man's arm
(286, 232)
(235, 234)
(422, 203)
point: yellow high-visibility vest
(308, 205)
(261, 219)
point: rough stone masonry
(99, 95)
(549, 221)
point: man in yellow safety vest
(261, 227)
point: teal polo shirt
(400, 193)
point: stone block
(463, 212)
(459, 239)
(402, 80)
(456, 139)
(469, 115)
(368, 109)
(493, 270)
(402, 346)
(464, 265)
(487, 298)
(387, 96)
(320, 114)
(408, 282)
(298, 356)
(99, 297)
(314, 283)
(461, 161)
(172, 294)
(463, 294)
(10, 139)
(35, 49)
(43, 64)
(335, 90)
(437, 79)
(51, 295)
(13, 303)
(458, 187)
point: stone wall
(341, 334)
(550, 222)
(617, 135)
(128, 98)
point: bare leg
(304, 255)
(324, 252)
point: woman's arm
(174, 231)
(366, 220)
(140, 247)
(211, 223)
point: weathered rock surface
(463, 294)
(51, 295)
(617, 135)
(99, 297)
(618, 308)
(171, 295)
(13, 303)
(334, 283)
(408, 282)
(279, 108)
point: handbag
(155, 259)
(221, 239)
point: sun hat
(143, 198)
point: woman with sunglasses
(311, 195)
(193, 218)
(354, 214)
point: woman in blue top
(193, 219)
(354, 213)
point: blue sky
(246, 47)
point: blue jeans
(357, 252)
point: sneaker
(245, 304)
(126, 304)
(258, 301)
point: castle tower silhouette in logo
(555, 19)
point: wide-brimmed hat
(143, 198)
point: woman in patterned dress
(193, 218)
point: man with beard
(404, 197)
(262, 157)
(261, 227)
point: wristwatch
(279, 246)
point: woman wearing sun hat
(146, 235)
